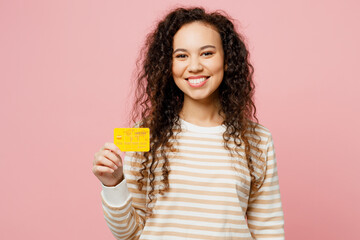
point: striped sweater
(209, 196)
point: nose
(195, 65)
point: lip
(195, 77)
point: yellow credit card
(132, 139)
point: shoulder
(262, 133)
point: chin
(199, 97)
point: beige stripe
(204, 193)
(202, 175)
(196, 210)
(194, 173)
(264, 219)
(269, 235)
(258, 201)
(205, 184)
(196, 227)
(205, 160)
(194, 200)
(112, 216)
(138, 201)
(270, 184)
(273, 227)
(189, 235)
(259, 210)
(266, 193)
(119, 215)
(133, 236)
(270, 148)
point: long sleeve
(124, 205)
(264, 214)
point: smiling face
(198, 61)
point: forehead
(196, 34)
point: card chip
(132, 139)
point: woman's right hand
(107, 165)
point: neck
(202, 113)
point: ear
(225, 67)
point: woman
(211, 170)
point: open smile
(197, 82)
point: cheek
(218, 71)
(176, 70)
(218, 67)
(177, 74)
(179, 69)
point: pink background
(66, 68)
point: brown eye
(207, 53)
(181, 56)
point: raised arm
(124, 205)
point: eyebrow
(203, 47)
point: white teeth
(197, 81)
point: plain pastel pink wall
(65, 70)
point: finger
(113, 157)
(96, 157)
(118, 156)
(103, 161)
(113, 147)
(100, 170)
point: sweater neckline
(200, 129)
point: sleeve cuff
(116, 196)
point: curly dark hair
(158, 100)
